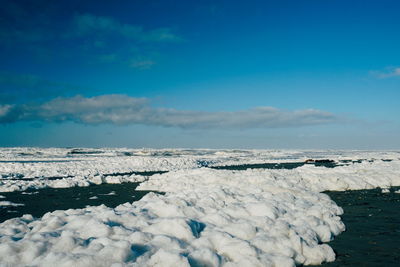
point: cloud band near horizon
(123, 110)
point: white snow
(218, 227)
(10, 204)
(37, 183)
(112, 193)
(30, 193)
(365, 175)
(24, 168)
(207, 217)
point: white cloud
(388, 73)
(122, 110)
(4, 110)
(143, 64)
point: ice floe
(208, 217)
(30, 168)
(9, 203)
(221, 226)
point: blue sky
(218, 74)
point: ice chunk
(10, 204)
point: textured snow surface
(215, 220)
(23, 168)
(207, 217)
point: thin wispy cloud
(19, 87)
(102, 26)
(124, 110)
(387, 73)
(126, 43)
(58, 32)
(142, 64)
(40, 28)
(107, 58)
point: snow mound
(215, 220)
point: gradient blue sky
(217, 74)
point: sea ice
(34, 168)
(207, 217)
(10, 204)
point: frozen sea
(180, 207)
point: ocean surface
(372, 235)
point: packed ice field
(209, 215)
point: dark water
(283, 165)
(38, 202)
(372, 236)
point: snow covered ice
(208, 217)
(34, 168)
(9, 203)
